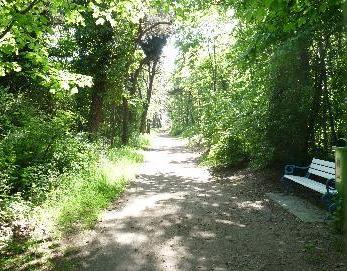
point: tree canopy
(271, 90)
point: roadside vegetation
(71, 202)
(74, 100)
(263, 83)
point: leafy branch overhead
(152, 36)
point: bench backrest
(322, 168)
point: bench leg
(286, 185)
(330, 205)
(328, 200)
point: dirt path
(177, 216)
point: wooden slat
(316, 186)
(321, 173)
(319, 187)
(323, 168)
(323, 163)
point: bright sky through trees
(169, 56)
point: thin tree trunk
(304, 81)
(126, 113)
(95, 115)
(214, 67)
(146, 103)
(345, 130)
(125, 121)
(113, 123)
(327, 114)
(318, 91)
(325, 99)
(190, 109)
(135, 76)
(328, 101)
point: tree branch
(135, 75)
(22, 12)
(144, 31)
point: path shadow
(182, 218)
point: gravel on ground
(178, 215)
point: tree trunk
(328, 99)
(345, 113)
(95, 115)
(125, 121)
(135, 76)
(126, 113)
(143, 123)
(113, 123)
(214, 67)
(152, 72)
(303, 74)
(318, 91)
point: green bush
(81, 196)
(228, 150)
(139, 141)
(33, 155)
(15, 111)
(77, 196)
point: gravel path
(177, 216)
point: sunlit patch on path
(177, 216)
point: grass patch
(86, 194)
(140, 141)
(23, 255)
(81, 208)
(125, 155)
(75, 205)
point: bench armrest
(291, 169)
(330, 185)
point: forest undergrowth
(33, 226)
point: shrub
(139, 141)
(32, 156)
(228, 150)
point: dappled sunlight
(257, 205)
(173, 201)
(172, 253)
(228, 222)
(116, 170)
(138, 205)
(182, 218)
(204, 234)
(218, 95)
(130, 238)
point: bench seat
(319, 168)
(316, 186)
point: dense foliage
(265, 85)
(76, 80)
